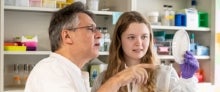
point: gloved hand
(190, 65)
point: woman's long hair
(116, 60)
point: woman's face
(135, 41)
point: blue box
(180, 19)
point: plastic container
(35, 3)
(159, 36)
(15, 48)
(202, 50)
(203, 19)
(49, 3)
(10, 2)
(93, 5)
(165, 16)
(153, 17)
(180, 19)
(22, 3)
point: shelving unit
(28, 17)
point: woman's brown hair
(116, 61)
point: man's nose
(98, 35)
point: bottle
(192, 17)
(106, 39)
(101, 48)
(25, 73)
(165, 16)
(193, 4)
(171, 15)
(16, 75)
(192, 44)
(192, 38)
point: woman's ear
(66, 37)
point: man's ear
(65, 34)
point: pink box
(31, 45)
(35, 3)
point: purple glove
(190, 65)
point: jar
(93, 5)
(153, 17)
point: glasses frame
(92, 28)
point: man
(74, 41)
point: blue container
(180, 19)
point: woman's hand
(190, 65)
(134, 74)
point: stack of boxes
(39, 3)
(23, 43)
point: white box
(22, 3)
(192, 18)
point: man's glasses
(91, 28)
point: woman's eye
(144, 37)
(131, 37)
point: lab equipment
(180, 45)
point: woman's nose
(138, 41)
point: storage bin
(153, 17)
(93, 5)
(22, 3)
(15, 48)
(203, 19)
(202, 50)
(49, 3)
(69, 1)
(163, 47)
(180, 19)
(10, 2)
(35, 3)
(159, 36)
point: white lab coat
(167, 81)
(56, 74)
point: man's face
(86, 37)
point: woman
(132, 44)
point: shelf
(171, 57)
(200, 86)
(40, 9)
(179, 28)
(103, 53)
(110, 13)
(100, 53)
(36, 53)
(27, 52)
(14, 89)
(34, 9)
